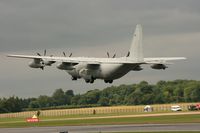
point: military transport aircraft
(107, 69)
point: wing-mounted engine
(37, 63)
(159, 66)
(66, 66)
(46, 62)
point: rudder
(136, 50)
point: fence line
(96, 110)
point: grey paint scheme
(104, 71)
(107, 69)
(110, 72)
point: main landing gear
(90, 80)
(108, 81)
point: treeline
(135, 94)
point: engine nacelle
(158, 66)
(36, 64)
(65, 66)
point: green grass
(17, 122)
(81, 116)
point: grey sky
(91, 28)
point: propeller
(128, 54)
(44, 63)
(70, 55)
(38, 54)
(45, 52)
(65, 54)
(109, 55)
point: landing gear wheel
(74, 78)
(87, 80)
(106, 81)
(91, 81)
(110, 81)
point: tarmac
(106, 128)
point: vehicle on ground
(148, 108)
(194, 107)
(176, 108)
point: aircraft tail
(136, 51)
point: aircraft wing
(90, 61)
(98, 61)
(162, 60)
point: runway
(106, 128)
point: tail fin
(136, 51)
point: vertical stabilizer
(136, 51)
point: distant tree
(12, 104)
(161, 83)
(91, 97)
(68, 96)
(44, 101)
(117, 99)
(59, 97)
(3, 108)
(135, 94)
(103, 101)
(195, 95)
(69, 93)
(34, 104)
(158, 97)
(82, 100)
(75, 99)
(187, 94)
(135, 98)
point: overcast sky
(91, 28)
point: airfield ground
(108, 119)
(160, 132)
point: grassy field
(79, 116)
(72, 120)
(99, 110)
